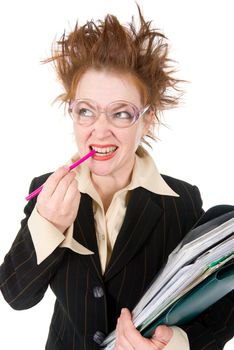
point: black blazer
(89, 303)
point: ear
(148, 120)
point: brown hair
(107, 44)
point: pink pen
(81, 160)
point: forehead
(105, 87)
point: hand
(59, 200)
(128, 337)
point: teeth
(105, 150)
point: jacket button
(98, 292)
(99, 337)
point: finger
(128, 330)
(125, 322)
(52, 182)
(62, 187)
(157, 344)
(72, 195)
(161, 337)
(121, 341)
(133, 336)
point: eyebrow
(122, 103)
(88, 102)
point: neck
(108, 185)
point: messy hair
(140, 50)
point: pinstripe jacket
(89, 303)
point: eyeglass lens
(119, 113)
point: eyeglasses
(121, 114)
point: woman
(99, 234)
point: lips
(103, 152)
(103, 149)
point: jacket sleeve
(215, 326)
(22, 281)
(42, 231)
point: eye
(123, 115)
(122, 112)
(84, 113)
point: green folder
(213, 288)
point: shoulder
(179, 186)
(38, 181)
(35, 183)
(189, 200)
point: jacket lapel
(84, 233)
(141, 218)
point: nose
(102, 126)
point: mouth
(103, 150)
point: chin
(100, 172)
(101, 169)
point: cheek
(80, 135)
(139, 132)
(77, 137)
(133, 138)
(138, 137)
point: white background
(36, 138)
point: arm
(23, 282)
(214, 327)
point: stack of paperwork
(198, 272)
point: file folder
(198, 299)
(198, 273)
